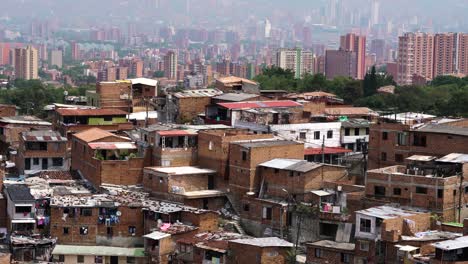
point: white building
(313, 135)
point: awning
(23, 221)
(406, 248)
(156, 235)
(321, 193)
(176, 133)
(329, 150)
(110, 145)
(98, 251)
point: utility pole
(460, 195)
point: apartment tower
(170, 65)
(415, 57)
(354, 43)
(26, 63)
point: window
(330, 134)
(79, 259)
(401, 139)
(98, 259)
(108, 118)
(396, 191)
(276, 171)
(131, 260)
(421, 190)
(210, 145)
(23, 209)
(27, 164)
(244, 155)
(317, 135)
(61, 258)
(367, 131)
(384, 135)
(466, 189)
(454, 192)
(246, 207)
(356, 131)
(302, 135)
(266, 214)
(84, 230)
(86, 212)
(364, 246)
(347, 131)
(440, 193)
(291, 174)
(36, 146)
(318, 253)
(132, 230)
(419, 140)
(365, 225)
(345, 258)
(57, 162)
(399, 158)
(383, 156)
(65, 231)
(35, 161)
(110, 231)
(379, 191)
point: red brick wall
(191, 107)
(328, 255)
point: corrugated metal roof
(457, 243)
(156, 235)
(454, 158)
(98, 251)
(144, 81)
(386, 212)
(198, 93)
(42, 136)
(443, 129)
(421, 158)
(333, 245)
(181, 170)
(235, 97)
(260, 104)
(234, 79)
(291, 164)
(264, 242)
(321, 193)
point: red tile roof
(90, 112)
(260, 104)
(330, 150)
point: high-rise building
(26, 63)
(379, 48)
(340, 63)
(56, 58)
(136, 68)
(170, 65)
(445, 53)
(224, 68)
(296, 60)
(375, 12)
(415, 57)
(462, 64)
(355, 43)
(75, 51)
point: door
(114, 260)
(45, 164)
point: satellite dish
(118, 213)
(65, 93)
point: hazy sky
(441, 12)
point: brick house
(96, 228)
(244, 157)
(326, 251)
(42, 150)
(11, 128)
(125, 95)
(214, 147)
(206, 247)
(8, 110)
(262, 113)
(379, 230)
(424, 183)
(175, 147)
(191, 103)
(20, 208)
(236, 84)
(70, 121)
(258, 250)
(392, 142)
(191, 186)
(102, 157)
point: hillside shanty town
(137, 173)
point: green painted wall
(100, 121)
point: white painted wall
(293, 132)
